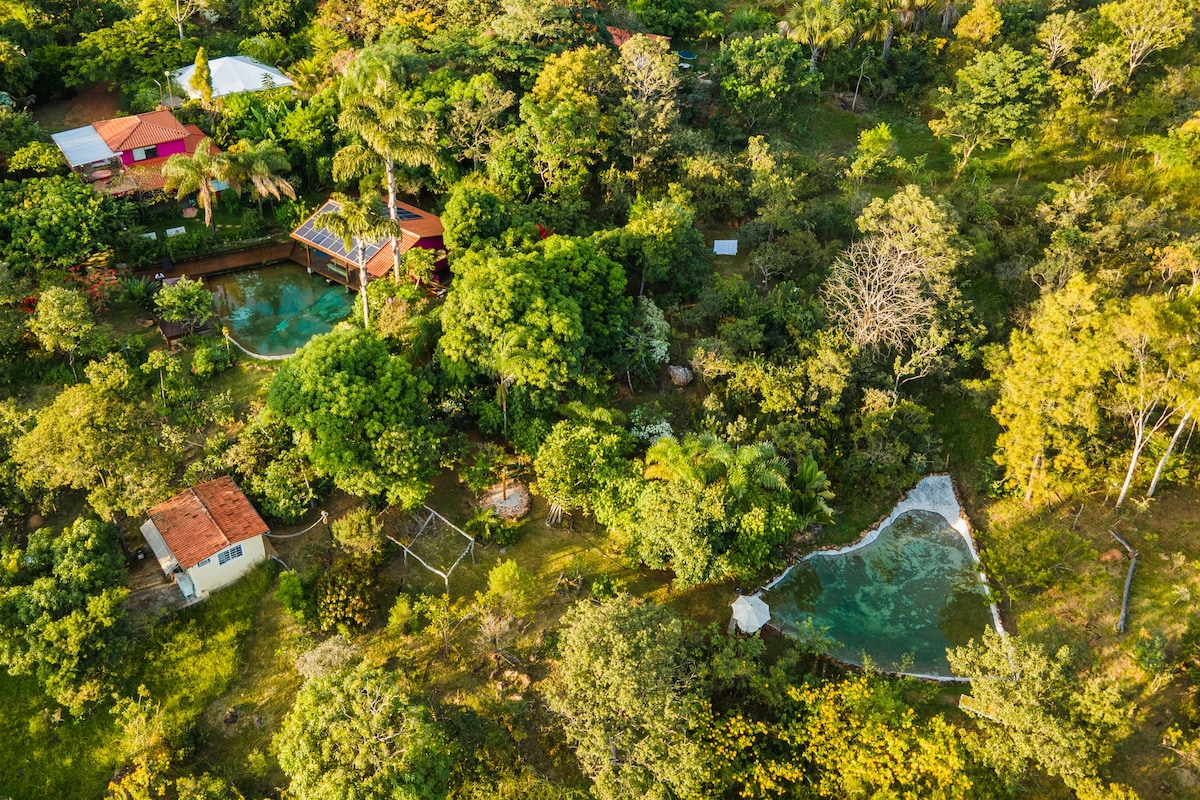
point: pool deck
(254, 256)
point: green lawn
(185, 663)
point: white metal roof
(82, 146)
(233, 74)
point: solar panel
(311, 232)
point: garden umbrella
(750, 613)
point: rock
(34, 522)
(1112, 556)
(231, 716)
(680, 376)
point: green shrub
(345, 597)
(402, 616)
(210, 358)
(141, 291)
(253, 223)
(294, 597)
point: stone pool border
(259, 356)
(945, 502)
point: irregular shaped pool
(274, 310)
(903, 595)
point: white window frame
(228, 554)
(205, 562)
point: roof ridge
(209, 514)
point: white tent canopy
(750, 613)
(232, 75)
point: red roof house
(206, 537)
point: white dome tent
(233, 75)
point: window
(205, 562)
(142, 153)
(228, 555)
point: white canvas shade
(725, 247)
(750, 613)
(233, 74)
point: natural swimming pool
(274, 310)
(911, 590)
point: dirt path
(92, 104)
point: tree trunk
(504, 406)
(1133, 461)
(391, 190)
(362, 284)
(1037, 460)
(812, 62)
(887, 43)
(1162, 462)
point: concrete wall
(214, 575)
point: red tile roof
(381, 263)
(202, 521)
(147, 175)
(620, 36)
(141, 130)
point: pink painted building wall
(165, 149)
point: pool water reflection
(274, 310)
(901, 600)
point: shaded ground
(94, 103)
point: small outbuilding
(233, 75)
(206, 537)
(327, 254)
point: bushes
(210, 358)
(346, 596)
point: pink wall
(164, 149)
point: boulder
(680, 376)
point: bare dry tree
(879, 295)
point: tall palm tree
(357, 223)
(820, 24)
(259, 164)
(199, 173)
(395, 134)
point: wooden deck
(253, 256)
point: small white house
(206, 537)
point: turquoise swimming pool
(274, 310)
(911, 591)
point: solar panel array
(322, 239)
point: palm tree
(820, 24)
(357, 223)
(395, 134)
(508, 363)
(259, 164)
(199, 173)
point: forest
(967, 242)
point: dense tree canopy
(60, 609)
(355, 735)
(358, 414)
(55, 222)
(626, 691)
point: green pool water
(274, 310)
(901, 600)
